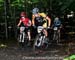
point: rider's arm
(30, 22)
(49, 21)
(19, 23)
(33, 20)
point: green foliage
(72, 57)
(35, 1)
(1, 1)
(56, 6)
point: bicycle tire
(46, 43)
(35, 40)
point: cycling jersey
(42, 14)
(45, 24)
(38, 21)
(25, 21)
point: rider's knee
(46, 33)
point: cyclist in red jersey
(26, 24)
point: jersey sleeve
(42, 14)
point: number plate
(39, 29)
(55, 28)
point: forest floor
(10, 50)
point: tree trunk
(5, 19)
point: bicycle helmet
(23, 14)
(35, 10)
(56, 18)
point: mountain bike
(22, 37)
(56, 34)
(41, 41)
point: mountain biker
(40, 19)
(25, 24)
(57, 22)
(57, 25)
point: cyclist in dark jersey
(57, 27)
(38, 19)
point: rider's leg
(54, 34)
(59, 35)
(22, 34)
(23, 37)
(45, 32)
(29, 36)
(20, 38)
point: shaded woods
(10, 11)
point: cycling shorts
(24, 29)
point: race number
(55, 28)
